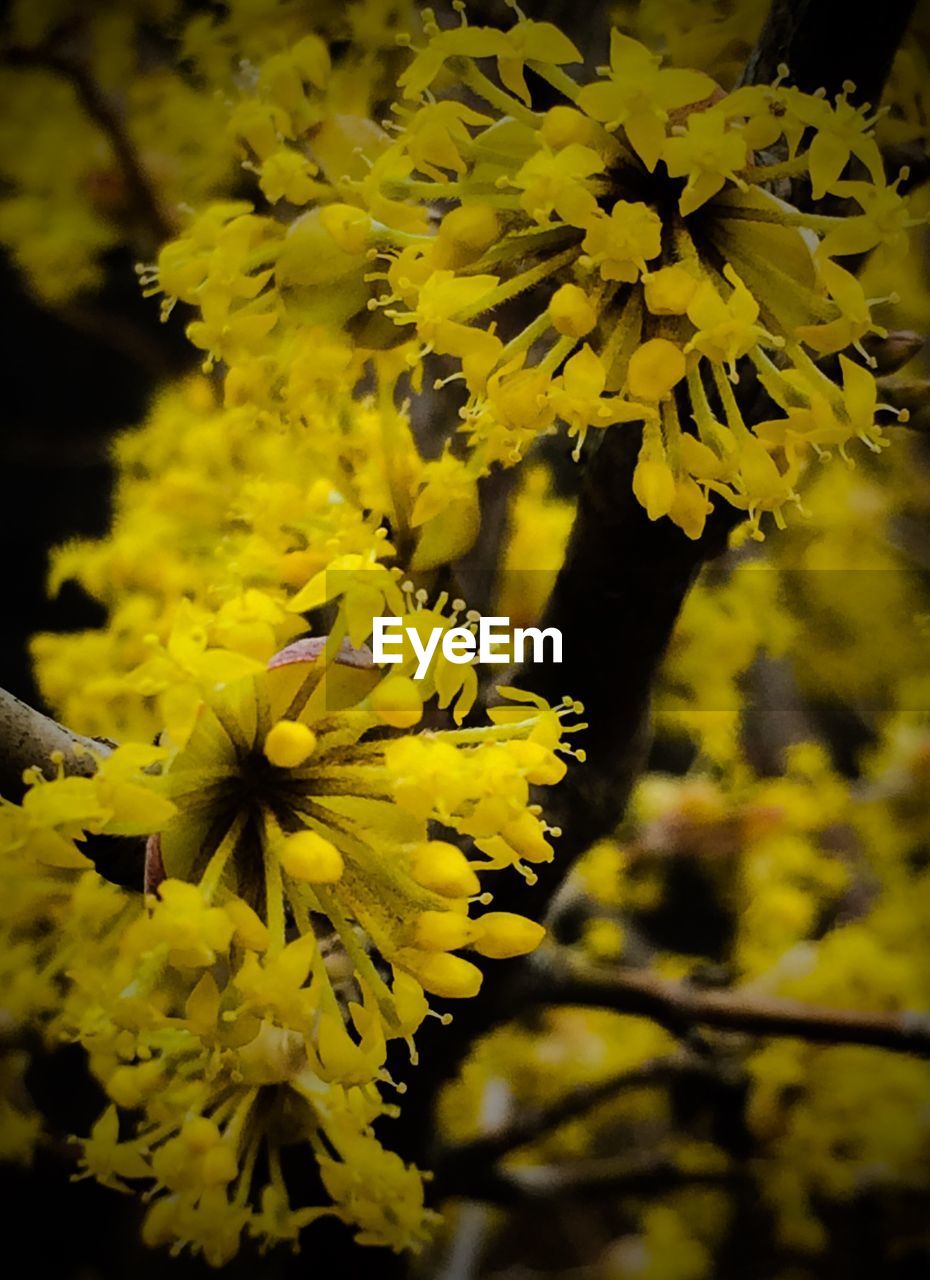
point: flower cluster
(205, 1077)
(639, 222)
(57, 910)
(85, 87)
(299, 910)
(220, 518)
(640, 218)
(307, 891)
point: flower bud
(200, 1133)
(571, 312)
(562, 126)
(130, 1086)
(348, 226)
(501, 935)
(314, 252)
(466, 232)
(219, 1166)
(654, 369)
(308, 856)
(443, 931)
(396, 701)
(443, 868)
(669, 290)
(690, 507)
(654, 486)
(289, 743)
(445, 975)
(527, 835)
(543, 767)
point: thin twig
(460, 1166)
(29, 739)
(610, 1177)
(143, 197)
(681, 1006)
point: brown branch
(143, 197)
(616, 601)
(681, 1006)
(465, 1165)
(28, 738)
(827, 42)
(609, 1176)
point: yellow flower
(726, 329)
(621, 243)
(639, 94)
(439, 133)
(555, 182)
(854, 320)
(884, 221)
(274, 821)
(577, 397)
(708, 153)
(554, 205)
(842, 132)
(653, 479)
(655, 368)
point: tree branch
(143, 197)
(616, 601)
(681, 1007)
(827, 42)
(460, 1168)
(609, 1176)
(29, 738)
